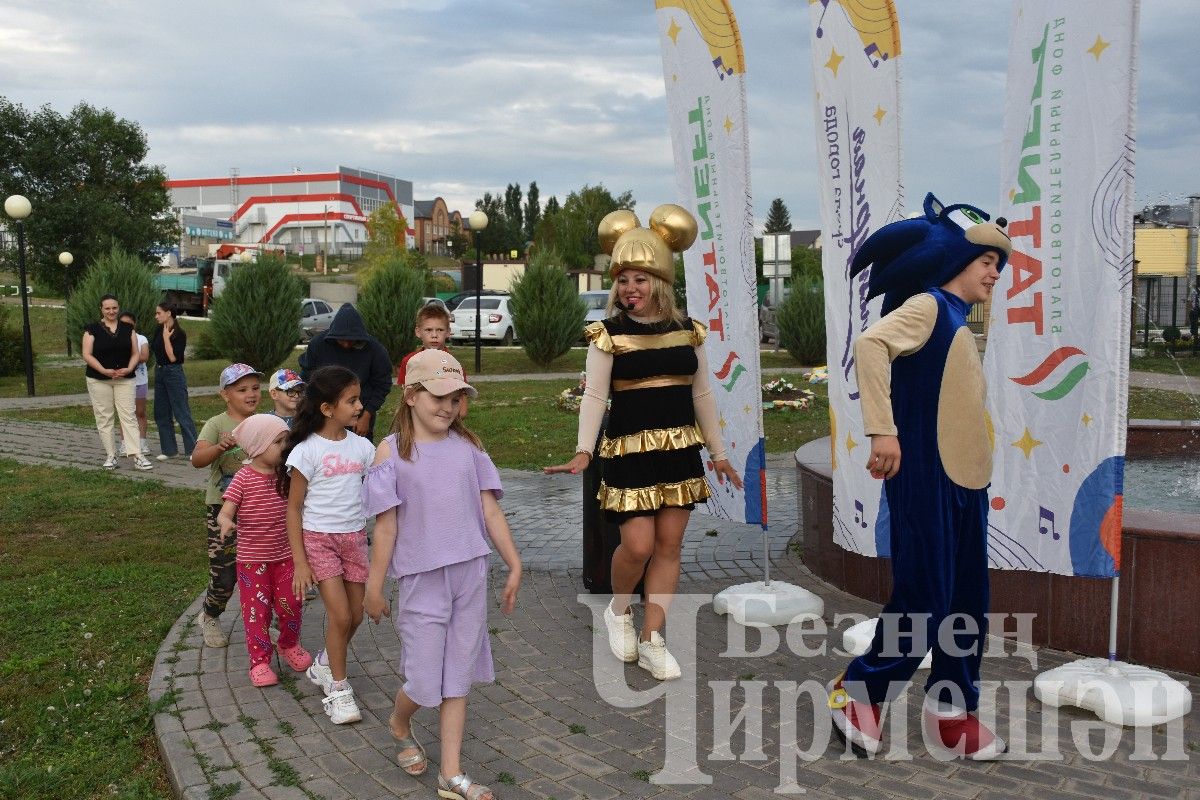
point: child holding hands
(321, 475)
(435, 495)
(264, 559)
(216, 448)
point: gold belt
(653, 382)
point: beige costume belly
(964, 430)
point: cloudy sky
(465, 96)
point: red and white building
(300, 212)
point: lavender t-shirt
(439, 513)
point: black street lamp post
(65, 259)
(479, 221)
(18, 208)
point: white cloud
(464, 97)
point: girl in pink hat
(265, 568)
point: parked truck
(190, 289)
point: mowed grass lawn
(48, 332)
(87, 595)
(519, 422)
(522, 428)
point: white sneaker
(145, 447)
(162, 457)
(110, 463)
(341, 708)
(213, 637)
(622, 638)
(141, 463)
(654, 657)
(320, 674)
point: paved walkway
(565, 720)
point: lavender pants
(441, 618)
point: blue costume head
(914, 255)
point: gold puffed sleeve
(699, 332)
(598, 335)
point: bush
(388, 302)
(117, 273)
(440, 282)
(12, 360)
(801, 320)
(547, 312)
(256, 320)
(203, 346)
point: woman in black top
(170, 385)
(110, 350)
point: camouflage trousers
(222, 564)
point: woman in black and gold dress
(650, 358)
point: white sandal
(461, 787)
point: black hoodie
(371, 363)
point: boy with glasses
(286, 388)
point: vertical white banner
(856, 80)
(1057, 355)
(705, 72)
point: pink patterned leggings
(265, 587)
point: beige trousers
(113, 399)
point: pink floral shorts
(332, 554)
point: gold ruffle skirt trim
(651, 498)
(651, 440)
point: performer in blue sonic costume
(923, 396)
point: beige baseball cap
(438, 372)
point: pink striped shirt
(261, 517)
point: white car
(315, 317)
(596, 304)
(496, 324)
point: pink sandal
(297, 658)
(263, 675)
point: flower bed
(783, 394)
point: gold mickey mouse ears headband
(672, 230)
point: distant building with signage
(302, 213)
(199, 234)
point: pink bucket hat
(438, 372)
(255, 433)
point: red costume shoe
(858, 724)
(961, 734)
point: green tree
(801, 320)
(806, 263)
(546, 309)
(533, 211)
(778, 220)
(494, 208)
(388, 303)
(256, 320)
(86, 176)
(552, 208)
(387, 234)
(512, 226)
(128, 278)
(12, 342)
(572, 229)
(457, 243)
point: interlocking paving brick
(545, 684)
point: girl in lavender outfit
(324, 464)
(435, 495)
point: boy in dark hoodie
(347, 343)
